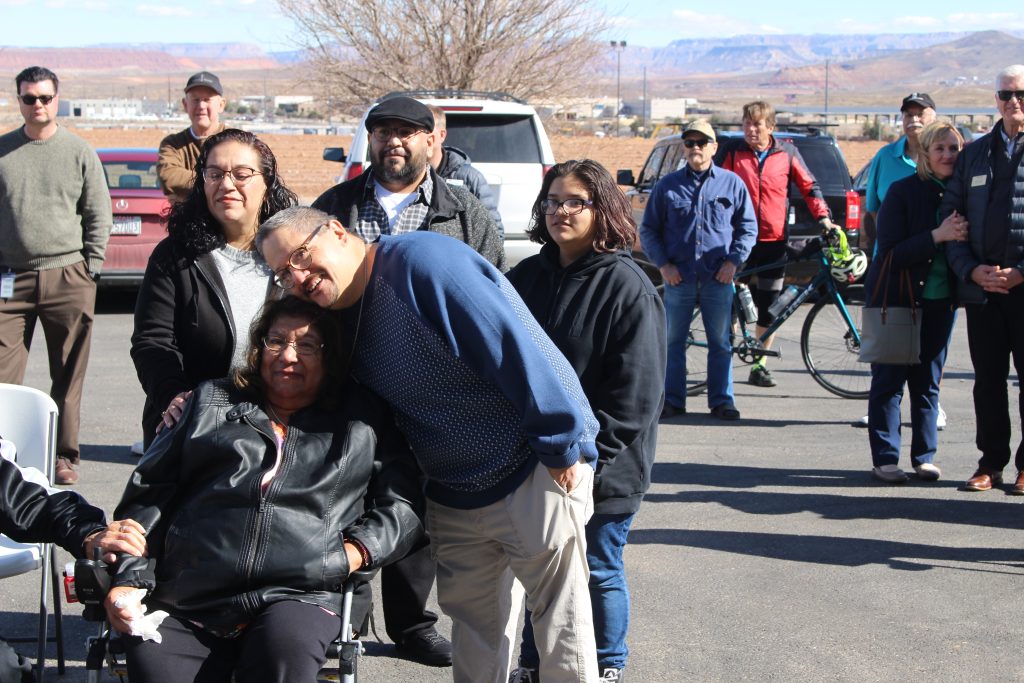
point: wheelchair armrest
(361, 576)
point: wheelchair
(106, 649)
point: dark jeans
(995, 333)
(922, 381)
(286, 643)
(404, 589)
(609, 594)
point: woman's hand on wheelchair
(124, 536)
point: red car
(140, 214)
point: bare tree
(526, 48)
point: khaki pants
(63, 300)
(537, 532)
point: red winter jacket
(768, 183)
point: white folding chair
(28, 419)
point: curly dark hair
(335, 354)
(614, 227)
(191, 225)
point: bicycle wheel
(831, 351)
(696, 356)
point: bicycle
(829, 340)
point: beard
(405, 171)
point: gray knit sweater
(54, 203)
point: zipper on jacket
(249, 566)
(222, 300)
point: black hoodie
(604, 314)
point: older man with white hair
(988, 188)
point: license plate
(127, 225)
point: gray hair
(1010, 73)
(300, 219)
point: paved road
(765, 551)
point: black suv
(824, 160)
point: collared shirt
(373, 219)
(698, 221)
(889, 164)
(1008, 142)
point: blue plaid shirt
(373, 219)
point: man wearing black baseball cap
(400, 192)
(179, 152)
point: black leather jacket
(222, 549)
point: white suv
(505, 141)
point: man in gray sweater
(55, 220)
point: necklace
(362, 300)
(274, 416)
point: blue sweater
(479, 390)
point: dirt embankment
(305, 171)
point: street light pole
(618, 46)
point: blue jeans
(716, 311)
(609, 595)
(922, 381)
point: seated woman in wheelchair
(271, 489)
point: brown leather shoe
(1018, 486)
(984, 480)
(64, 472)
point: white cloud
(985, 20)
(162, 11)
(690, 24)
(917, 22)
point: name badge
(978, 180)
(6, 285)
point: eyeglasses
(299, 259)
(303, 347)
(30, 100)
(691, 143)
(239, 176)
(571, 207)
(1006, 95)
(388, 133)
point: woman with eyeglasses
(205, 282)
(273, 487)
(606, 317)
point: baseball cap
(700, 126)
(402, 108)
(921, 99)
(204, 79)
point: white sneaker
(891, 474)
(137, 449)
(940, 421)
(862, 422)
(927, 472)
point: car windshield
(131, 175)
(824, 162)
(494, 138)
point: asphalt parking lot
(764, 550)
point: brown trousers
(63, 301)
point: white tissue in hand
(141, 624)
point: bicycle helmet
(851, 269)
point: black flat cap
(404, 109)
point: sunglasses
(30, 100)
(697, 143)
(1006, 95)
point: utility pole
(643, 114)
(826, 90)
(618, 46)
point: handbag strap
(906, 288)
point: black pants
(995, 333)
(286, 643)
(404, 588)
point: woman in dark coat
(909, 230)
(604, 314)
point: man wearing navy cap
(179, 152)
(400, 192)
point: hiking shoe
(427, 647)
(64, 472)
(524, 675)
(725, 412)
(890, 474)
(927, 472)
(760, 376)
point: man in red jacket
(767, 166)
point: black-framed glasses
(570, 207)
(299, 259)
(388, 133)
(691, 143)
(30, 100)
(1006, 95)
(239, 176)
(303, 347)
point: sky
(650, 23)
